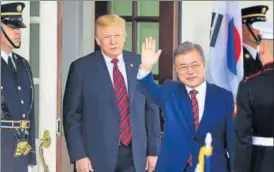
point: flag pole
(204, 155)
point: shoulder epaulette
(252, 76)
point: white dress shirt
(121, 66)
(253, 52)
(6, 56)
(200, 96)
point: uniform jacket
(17, 95)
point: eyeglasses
(184, 68)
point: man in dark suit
(109, 125)
(251, 15)
(17, 96)
(254, 129)
(192, 108)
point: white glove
(197, 168)
(29, 169)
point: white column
(48, 79)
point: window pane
(34, 8)
(128, 44)
(34, 49)
(148, 8)
(123, 8)
(36, 110)
(146, 30)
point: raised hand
(149, 54)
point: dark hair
(187, 47)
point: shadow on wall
(66, 166)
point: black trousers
(125, 159)
(262, 159)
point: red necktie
(195, 108)
(123, 104)
(195, 113)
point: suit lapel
(104, 76)
(131, 69)
(17, 61)
(208, 107)
(187, 107)
(5, 69)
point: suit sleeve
(152, 118)
(243, 130)
(72, 115)
(31, 138)
(151, 90)
(229, 136)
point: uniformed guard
(17, 96)
(254, 129)
(251, 57)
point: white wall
(78, 32)
(196, 18)
(48, 79)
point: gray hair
(187, 47)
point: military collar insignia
(247, 56)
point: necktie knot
(193, 93)
(114, 61)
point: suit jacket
(180, 138)
(91, 116)
(16, 98)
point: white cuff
(29, 169)
(142, 74)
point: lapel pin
(131, 65)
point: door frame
(48, 80)
(59, 81)
(49, 72)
